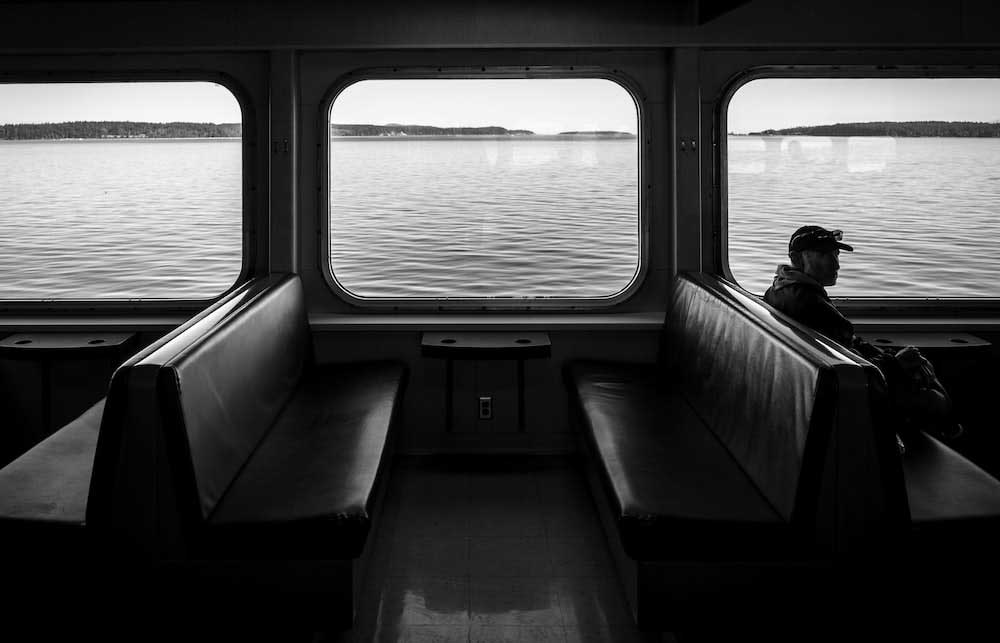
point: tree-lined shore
(599, 134)
(137, 129)
(394, 129)
(117, 129)
(942, 129)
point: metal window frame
(898, 65)
(417, 72)
(53, 72)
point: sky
(163, 102)
(778, 103)
(544, 106)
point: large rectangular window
(908, 168)
(119, 191)
(497, 188)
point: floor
(491, 549)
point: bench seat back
(862, 499)
(132, 497)
(761, 398)
(793, 413)
(226, 389)
(928, 485)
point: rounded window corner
(861, 162)
(104, 162)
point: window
(908, 168)
(499, 189)
(119, 191)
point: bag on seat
(922, 401)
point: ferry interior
(323, 398)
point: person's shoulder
(791, 295)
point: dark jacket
(805, 300)
(911, 404)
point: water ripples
(491, 217)
(120, 219)
(923, 214)
(505, 218)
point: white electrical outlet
(485, 407)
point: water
(492, 217)
(923, 214)
(119, 219)
(484, 217)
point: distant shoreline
(118, 130)
(481, 137)
(136, 130)
(779, 136)
(396, 130)
(136, 139)
(893, 129)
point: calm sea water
(492, 217)
(484, 217)
(119, 219)
(923, 214)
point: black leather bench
(954, 505)
(43, 493)
(44, 498)
(943, 511)
(727, 474)
(242, 470)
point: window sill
(943, 324)
(328, 322)
(485, 321)
(109, 323)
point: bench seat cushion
(677, 491)
(953, 503)
(308, 489)
(44, 492)
(50, 482)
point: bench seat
(242, 475)
(46, 488)
(726, 474)
(940, 504)
(47, 491)
(677, 492)
(309, 488)
(954, 505)
(941, 519)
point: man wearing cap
(799, 291)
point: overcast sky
(544, 106)
(197, 102)
(777, 103)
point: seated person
(799, 291)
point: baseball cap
(813, 237)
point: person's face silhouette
(822, 265)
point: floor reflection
(491, 551)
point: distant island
(118, 129)
(393, 129)
(599, 134)
(134, 129)
(943, 129)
